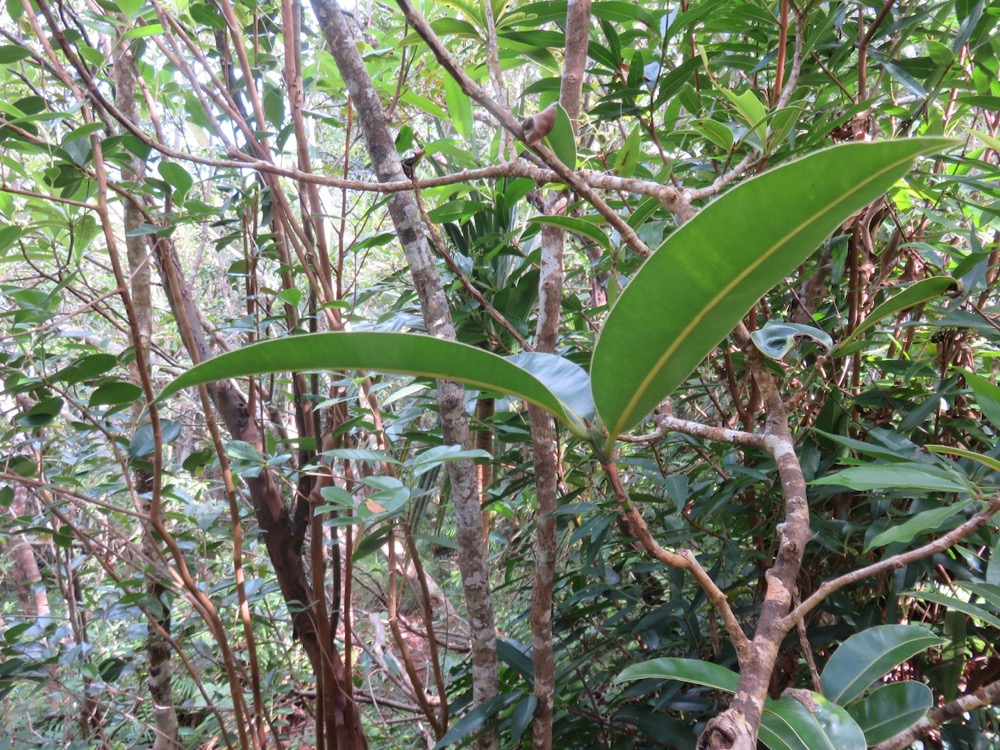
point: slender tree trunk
(405, 215)
(25, 574)
(543, 443)
(272, 514)
(158, 652)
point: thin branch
(683, 559)
(894, 562)
(508, 121)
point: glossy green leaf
(521, 717)
(812, 723)
(582, 227)
(714, 131)
(932, 521)
(115, 394)
(553, 383)
(751, 108)
(891, 709)
(864, 658)
(686, 670)
(85, 368)
(990, 592)
(698, 284)
(909, 476)
(562, 138)
(916, 294)
(459, 107)
(177, 177)
(142, 443)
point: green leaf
(777, 339)
(244, 451)
(629, 154)
(177, 177)
(987, 461)
(987, 396)
(891, 709)
(582, 227)
(562, 138)
(752, 109)
(910, 476)
(142, 443)
(968, 608)
(459, 107)
(550, 382)
(686, 670)
(115, 394)
(10, 53)
(925, 522)
(337, 498)
(915, 294)
(716, 132)
(791, 724)
(990, 592)
(85, 368)
(476, 718)
(521, 717)
(864, 658)
(439, 454)
(698, 284)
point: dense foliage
(723, 462)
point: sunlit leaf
(548, 381)
(698, 284)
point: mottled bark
(543, 443)
(405, 214)
(158, 652)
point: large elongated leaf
(908, 476)
(790, 724)
(698, 284)
(686, 670)
(553, 383)
(865, 657)
(922, 291)
(892, 708)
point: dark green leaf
(864, 658)
(115, 394)
(891, 709)
(686, 670)
(812, 723)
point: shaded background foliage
(687, 96)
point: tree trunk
(405, 215)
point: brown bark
(273, 516)
(25, 574)
(405, 214)
(158, 652)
